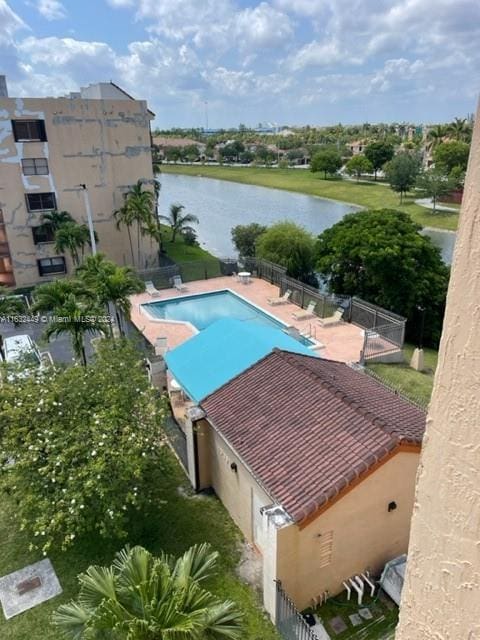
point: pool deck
(342, 342)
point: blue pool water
(203, 309)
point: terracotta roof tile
(308, 427)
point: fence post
(205, 270)
(323, 307)
(303, 297)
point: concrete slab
(365, 613)
(355, 619)
(28, 587)
(337, 624)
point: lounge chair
(178, 284)
(331, 320)
(151, 289)
(304, 314)
(281, 299)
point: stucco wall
(236, 489)
(102, 143)
(441, 593)
(364, 535)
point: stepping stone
(24, 589)
(365, 613)
(355, 619)
(338, 624)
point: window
(35, 166)
(29, 130)
(41, 201)
(47, 266)
(43, 233)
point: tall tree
(380, 256)
(327, 160)
(74, 310)
(379, 153)
(358, 165)
(179, 222)
(436, 135)
(460, 129)
(245, 237)
(72, 237)
(137, 210)
(402, 173)
(141, 597)
(434, 184)
(289, 245)
(450, 155)
(112, 284)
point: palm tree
(436, 135)
(178, 222)
(74, 310)
(141, 597)
(137, 209)
(72, 237)
(112, 284)
(56, 218)
(460, 130)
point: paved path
(427, 202)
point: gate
(290, 623)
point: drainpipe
(358, 588)
(370, 584)
(349, 591)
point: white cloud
(10, 22)
(51, 9)
(262, 26)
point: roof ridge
(345, 397)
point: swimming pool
(203, 309)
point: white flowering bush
(77, 444)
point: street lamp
(422, 325)
(88, 209)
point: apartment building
(51, 149)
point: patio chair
(178, 284)
(304, 314)
(331, 320)
(281, 299)
(151, 289)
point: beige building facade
(50, 147)
(442, 585)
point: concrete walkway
(428, 204)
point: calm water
(220, 205)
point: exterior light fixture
(392, 506)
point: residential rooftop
(309, 428)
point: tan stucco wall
(235, 489)
(102, 143)
(365, 534)
(442, 589)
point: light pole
(88, 209)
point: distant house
(357, 147)
(163, 143)
(316, 464)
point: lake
(221, 205)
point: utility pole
(88, 209)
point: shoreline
(261, 177)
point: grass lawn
(415, 385)
(178, 251)
(384, 619)
(366, 194)
(172, 526)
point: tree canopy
(434, 184)
(358, 165)
(76, 446)
(245, 236)
(449, 155)
(380, 256)
(289, 245)
(378, 153)
(327, 160)
(402, 172)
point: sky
(228, 62)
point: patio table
(244, 277)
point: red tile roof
(308, 427)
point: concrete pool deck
(342, 342)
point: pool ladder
(311, 332)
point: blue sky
(285, 61)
